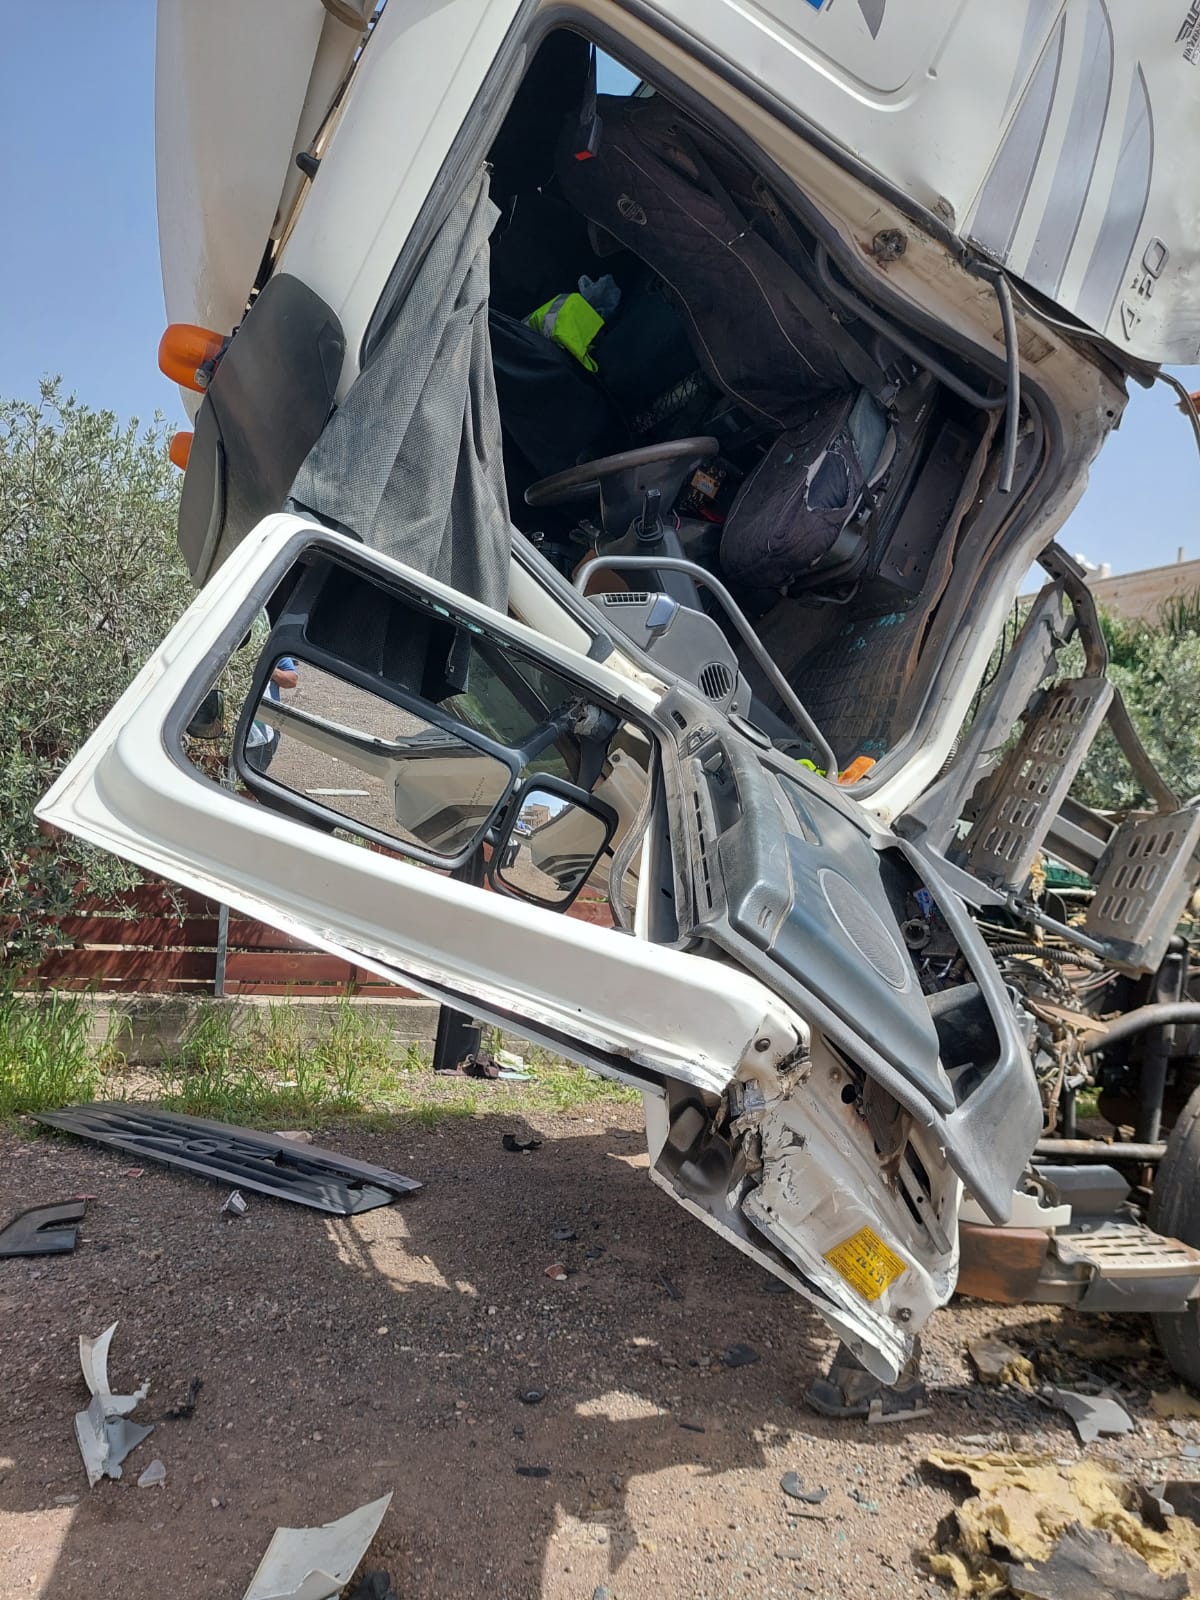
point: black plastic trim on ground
(241, 1157)
(43, 1230)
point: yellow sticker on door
(866, 1263)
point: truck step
(1119, 1266)
(1145, 880)
(1030, 785)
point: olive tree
(1156, 666)
(90, 580)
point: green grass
(272, 1068)
(45, 1059)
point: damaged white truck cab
(637, 415)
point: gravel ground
(343, 1358)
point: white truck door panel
(622, 998)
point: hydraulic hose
(1129, 1026)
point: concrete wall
(148, 1029)
(1138, 595)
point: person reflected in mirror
(262, 741)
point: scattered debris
(260, 1161)
(863, 1500)
(43, 1230)
(557, 1271)
(481, 1065)
(533, 1472)
(373, 1586)
(849, 1390)
(183, 1409)
(740, 1355)
(154, 1475)
(103, 1431)
(669, 1288)
(1092, 1414)
(296, 1135)
(512, 1066)
(1086, 1565)
(901, 1411)
(1176, 1404)
(564, 1235)
(235, 1205)
(997, 1362)
(792, 1485)
(691, 1427)
(316, 1563)
(1023, 1506)
(66, 1499)
(593, 1252)
(521, 1144)
(531, 1397)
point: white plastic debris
(236, 1205)
(105, 1436)
(154, 1475)
(316, 1563)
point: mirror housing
(549, 843)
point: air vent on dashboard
(716, 682)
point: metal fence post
(458, 1035)
(222, 951)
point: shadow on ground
(341, 1359)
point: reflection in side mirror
(385, 772)
(551, 845)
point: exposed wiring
(1077, 331)
(1186, 404)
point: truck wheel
(1175, 1213)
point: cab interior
(834, 497)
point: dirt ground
(341, 1359)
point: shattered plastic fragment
(793, 1486)
(153, 1475)
(93, 1358)
(104, 1435)
(1092, 1414)
(740, 1355)
(519, 1145)
(316, 1563)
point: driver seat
(790, 525)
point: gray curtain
(411, 460)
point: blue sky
(80, 285)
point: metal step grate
(1126, 1250)
(1032, 782)
(1146, 878)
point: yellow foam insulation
(997, 1362)
(1176, 1404)
(1023, 1503)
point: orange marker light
(180, 448)
(857, 769)
(184, 349)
